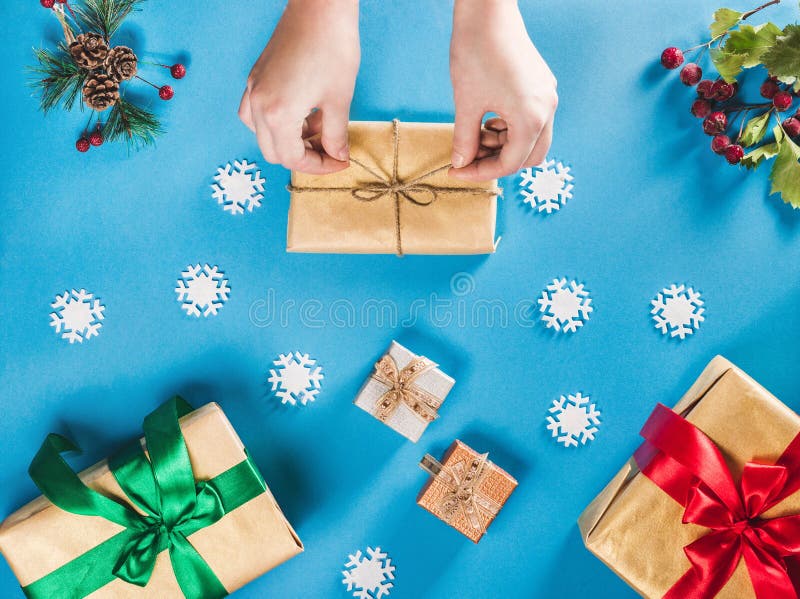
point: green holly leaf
(724, 19)
(728, 63)
(758, 155)
(785, 175)
(755, 129)
(752, 42)
(783, 59)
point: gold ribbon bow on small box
(463, 495)
(402, 389)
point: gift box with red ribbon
(708, 506)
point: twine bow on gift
(687, 465)
(164, 489)
(463, 494)
(413, 191)
(403, 390)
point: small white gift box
(404, 391)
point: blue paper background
(651, 206)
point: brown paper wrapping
(241, 546)
(497, 485)
(635, 527)
(336, 222)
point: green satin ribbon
(164, 488)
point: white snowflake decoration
(202, 290)
(565, 306)
(237, 187)
(368, 577)
(77, 315)
(546, 187)
(678, 310)
(574, 419)
(296, 377)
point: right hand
(298, 94)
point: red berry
(714, 123)
(166, 92)
(62, 1)
(721, 90)
(178, 71)
(96, 139)
(782, 100)
(701, 108)
(47, 3)
(769, 88)
(672, 58)
(792, 126)
(691, 74)
(704, 89)
(82, 145)
(720, 143)
(734, 154)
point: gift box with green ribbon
(183, 512)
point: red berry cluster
(713, 104)
(95, 138)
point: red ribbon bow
(687, 465)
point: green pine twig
(104, 16)
(136, 125)
(58, 79)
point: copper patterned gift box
(405, 391)
(465, 490)
(395, 198)
(709, 505)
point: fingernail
(458, 160)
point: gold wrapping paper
(497, 485)
(243, 545)
(635, 527)
(336, 222)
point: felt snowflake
(237, 187)
(77, 315)
(202, 290)
(678, 310)
(565, 306)
(573, 419)
(546, 187)
(296, 377)
(368, 577)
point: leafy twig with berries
(87, 65)
(735, 46)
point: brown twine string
(394, 187)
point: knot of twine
(419, 194)
(402, 388)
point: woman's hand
(495, 67)
(298, 93)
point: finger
(484, 152)
(495, 124)
(493, 139)
(265, 142)
(316, 162)
(466, 137)
(334, 132)
(295, 155)
(517, 148)
(312, 125)
(246, 112)
(539, 153)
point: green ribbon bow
(164, 488)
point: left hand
(495, 67)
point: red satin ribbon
(687, 465)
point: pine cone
(89, 50)
(100, 92)
(120, 63)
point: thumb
(466, 137)
(334, 132)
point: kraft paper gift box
(394, 198)
(244, 543)
(405, 391)
(636, 528)
(465, 489)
